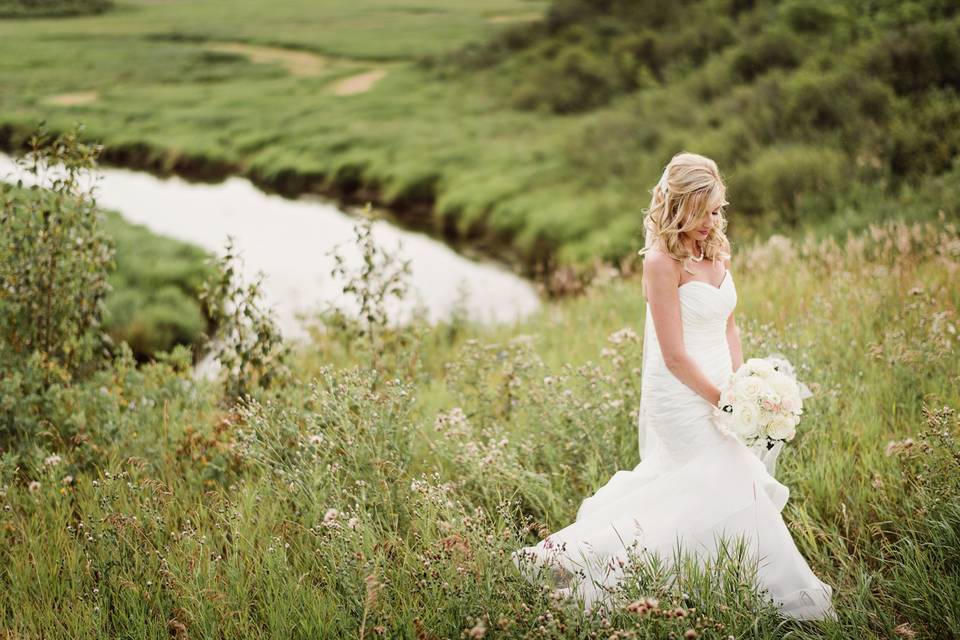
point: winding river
(290, 240)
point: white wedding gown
(693, 487)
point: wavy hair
(688, 190)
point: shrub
(52, 8)
(247, 342)
(778, 178)
(769, 50)
(380, 281)
(917, 58)
(54, 263)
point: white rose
(782, 364)
(760, 366)
(782, 427)
(791, 403)
(746, 419)
(749, 388)
(782, 385)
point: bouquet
(763, 402)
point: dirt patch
(359, 83)
(72, 99)
(297, 63)
(519, 17)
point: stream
(290, 240)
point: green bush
(780, 178)
(924, 140)
(247, 343)
(154, 303)
(154, 320)
(772, 49)
(54, 262)
(810, 16)
(917, 58)
(52, 8)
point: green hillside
(534, 139)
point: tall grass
(361, 503)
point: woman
(695, 487)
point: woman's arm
(733, 336)
(662, 284)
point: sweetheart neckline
(723, 280)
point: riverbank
(425, 120)
(413, 211)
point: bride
(694, 485)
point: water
(289, 240)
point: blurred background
(523, 136)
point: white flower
(759, 366)
(623, 335)
(746, 418)
(750, 388)
(782, 385)
(33, 486)
(782, 427)
(51, 461)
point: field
(360, 503)
(375, 484)
(535, 140)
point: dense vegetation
(804, 104)
(338, 498)
(151, 290)
(51, 8)
(541, 146)
(153, 304)
(351, 501)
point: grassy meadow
(377, 487)
(536, 140)
(354, 502)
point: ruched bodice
(693, 488)
(674, 421)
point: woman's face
(712, 218)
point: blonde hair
(681, 200)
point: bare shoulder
(659, 273)
(659, 265)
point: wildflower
(637, 606)
(691, 634)
(330, 518)
(53, 460)
(478, 630)
(898, 446)
(353, 522)
(316, 439)
(623, 335)
(33, 486)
